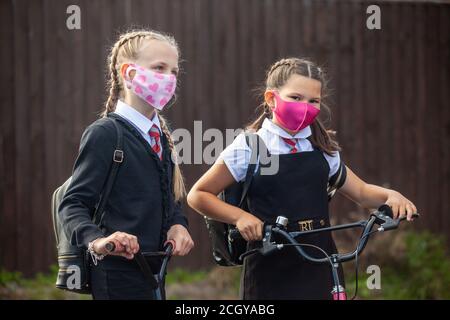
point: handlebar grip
(386, 210)
(234, 234)
(110, 246)
(169, 246)
(414, 215)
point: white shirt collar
(273, 128)
(135, 117)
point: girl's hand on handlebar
(181, 238)
(126, 245)
(400, 205)
(250, 227)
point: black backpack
(227, 249)
(74, 262)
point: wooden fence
(390, 99)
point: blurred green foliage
(13, 285)
(421, 272)
(180, 275)
(418, 268)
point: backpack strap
(253, 141)
(117, 160)
(336, 181)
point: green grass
(422, 272)
(13, 285)
(180, 275)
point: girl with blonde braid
(143, 210)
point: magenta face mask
(294, 115)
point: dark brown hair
(277, 76)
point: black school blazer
(141, 201)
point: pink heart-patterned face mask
(154, 88)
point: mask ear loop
(130, 68)
(304, 117)
(126, 74)
(277, 100)
(277, 96)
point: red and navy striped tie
(292, 143)
(155, 138)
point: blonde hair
(277, 76)
(127, 48)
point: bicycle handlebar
(382, 217)
(167, 251)
(155, 280)
(110, 247)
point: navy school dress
(299, 192)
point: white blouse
(236, 156)
(137, 119)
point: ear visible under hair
(123, 70)
(268, 98)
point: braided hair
(127, 48)
(276, 77)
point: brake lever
(268, 246)
(387, 223)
